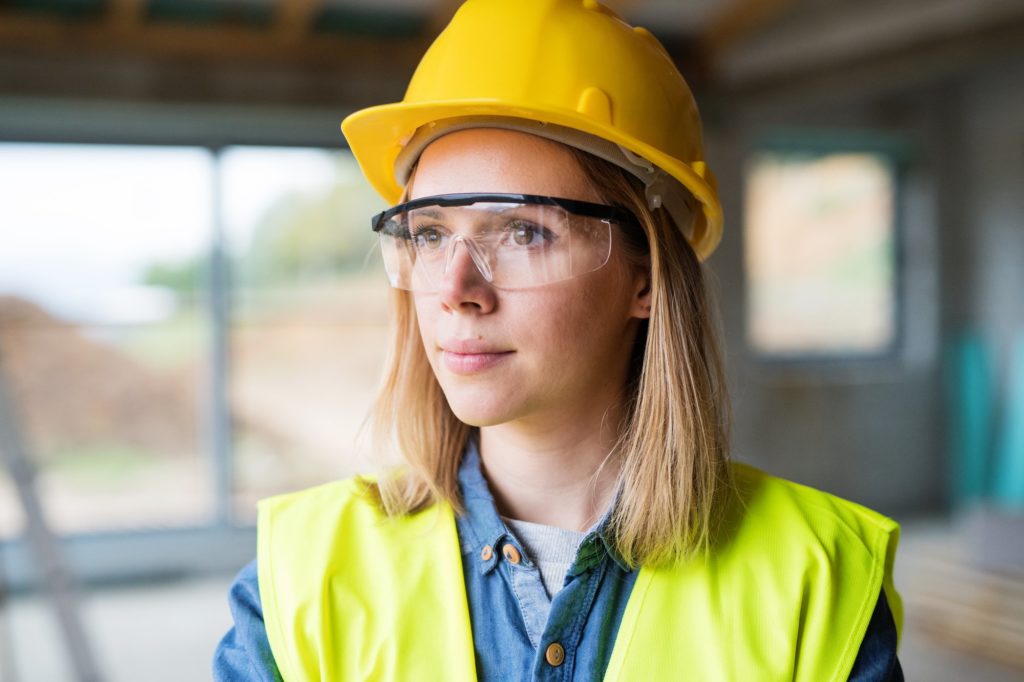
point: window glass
(309, 316)
(819, 238)
(103, 336)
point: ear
(641, 306)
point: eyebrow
(525, 211)
(430, 212)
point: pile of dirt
(70, 392)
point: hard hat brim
(377, 134)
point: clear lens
(513, 245)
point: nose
(474, 251)
(464, 283)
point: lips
(469, 347)
(471, 356)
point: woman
(566, 509)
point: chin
(479, 415)
(480, 407)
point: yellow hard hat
(570, 70)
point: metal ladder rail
(55, 575)
(8, 672)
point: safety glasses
(516, 241)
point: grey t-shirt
(552, 549)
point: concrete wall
(993, 177)
(877, 433)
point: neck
(552, 473)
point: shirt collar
(599, 540)
(482, 526)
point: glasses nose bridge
(477, 254)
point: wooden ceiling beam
(125, 15)
(845, 35)
(735, 22)
(24, 33)
(294, 18)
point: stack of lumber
(952, 599)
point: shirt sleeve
(876, 660)
(244, 655)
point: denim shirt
(514, 622)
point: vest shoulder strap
(339, 580)
(785, 593)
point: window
(184, 330)
(308, 316)
(821, 257)
(103, 365)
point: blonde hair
(673, 442)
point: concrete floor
(155, 633)
(167, 632)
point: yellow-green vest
(786, 593)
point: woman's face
(556, 351)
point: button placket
(511, 554)
(487, 557)
(525, 581)
(554, 654)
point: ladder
(55, 576)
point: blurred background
(192, 312)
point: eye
(523, 233)
(427, 238)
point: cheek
(592, 322)
(424, 308)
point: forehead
(499, 161)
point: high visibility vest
(786, 592)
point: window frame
(888, 363)
(224, 544)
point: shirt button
(486, 553)
(555, 654)
(511, 553)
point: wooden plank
(965, 607)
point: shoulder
(783, 508)
(339, 528)
(348, 493)
(245, 591)
(244, 652)
(338, 511)
(319, 514)
(332, 564)
(792, 574)
(810, 538)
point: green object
(1008, 469)
(970, 407)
